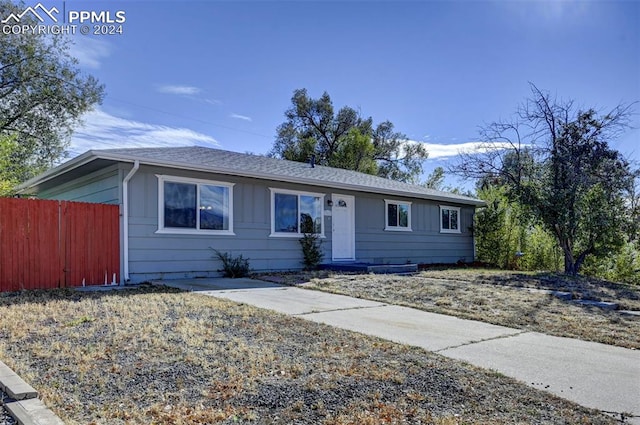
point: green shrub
(311, 251)
(541, 251)
(627, 265)
(310, 242)
(617, 266)
(233, 267)
(503, 228)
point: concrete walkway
(595, 375)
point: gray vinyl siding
(424, 244)
(164, 256)
(102, 187)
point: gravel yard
(517, 300)
(160, 356)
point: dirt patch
(510, 299)
(160, 356)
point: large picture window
(449, 219)
(397, 215)
(194, 206)
(296, 213)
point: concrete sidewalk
(595, 375)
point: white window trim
(181, 231)
(298, 193)
(386, 216)
(447, 207)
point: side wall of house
(156, 255)
(102, 186)
(425, 243)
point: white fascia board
(93, 155)
(288, 179)
(56, 171)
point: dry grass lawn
(159, 356)
(511, 299)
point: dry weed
(157, 356)
(510, 299)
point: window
(296, 213)
(449, 219)
(194, 206)
(398, 215)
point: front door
(343, 231)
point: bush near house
(233, 267)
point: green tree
(355, 152)
(43, 95)
(540, 249)
(497, 229)
(622, 265)
(508, 236)
(8, 168)
(435, 180)
(633, 210)
(398, 158)
(555, 160)
(345, 140)
(490, 231)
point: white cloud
(560, 11)
(181, 90)
(442, 151)
(105, 131)
(90, 51)
(548, 12)
(241, 117)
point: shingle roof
(234, 163)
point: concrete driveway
(595, 375)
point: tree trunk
(582, 257)
(570, 266)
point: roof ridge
(254, 165)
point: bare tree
(555, 159)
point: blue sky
(222, 73)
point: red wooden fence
(55, 244)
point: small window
(296, 213)
(449, 219)
(194, 206)
(398, 215)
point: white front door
(343, 231)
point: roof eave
(80, 160)
(94, 155)
(289, 179)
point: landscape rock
(600, 304)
